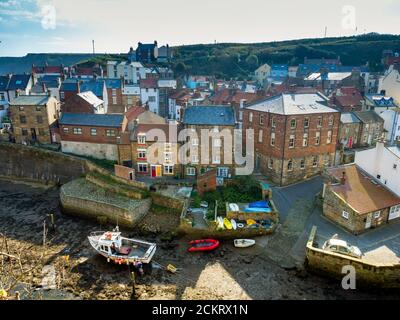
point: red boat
(203, 245)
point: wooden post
(44, 233)
(133, 295)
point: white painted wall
(95, 150)
(145, 95)
(384, 162)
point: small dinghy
(220, 223)
(121, 250)
(244, 243)
(227, 224)
(203, 245)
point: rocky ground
(79, 273)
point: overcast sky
(115, 25)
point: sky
(38, 26)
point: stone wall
(75, 200)
(167, 202)
(30, 163)
(367, 274)
(88, 149)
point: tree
(180, 68)
(252, 61)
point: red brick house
(294, 135)
(94, 135)
(347, 99)
(84, 102)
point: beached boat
(121, 250)
(244, 243)
(203, 245)
(234, 224)
(220, 223)
(227, 224)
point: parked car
(203, 204)
(341, 246)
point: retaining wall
(367, 274)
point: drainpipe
(395, 117)
(283, 154)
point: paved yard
(294, 202)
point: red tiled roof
(47, 69)
(359, 192)
(227, 96)
(148, 83)
(134, 112)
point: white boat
(220, 222)
(234, 207)
(114, 247)
(234, 224)
(244, 243)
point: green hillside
(228, 60)
(235, 60)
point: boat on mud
(244, 243)
(203, 245)
(121, 250)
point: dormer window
(141, 138)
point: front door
(155, 171)
(368, 221)
(33, 134)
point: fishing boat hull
(203, 245)
(132, 251)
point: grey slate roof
(209, 115)
(34, 100)
(96, 86)
(95, 120)
(349, 117)
(293, 104)
(368, 116)
(4, 80)
(112, 83)
(69, 85)
(19, 81)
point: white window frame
(93, 131)
(251, 117)
(291, 123)
(345, 215)
(305, 140)
(260, 136)
(78, 131)
(377, 214)
(272, 140)
(290, 169)
(142, 151)
(291, 141)
(195, 142)
(217, 143)
(270, 163)
(329, 137)
(141, 138)
(317, 138)
(168, 169)
(143, 165)
(216, 159)
(190, 171)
